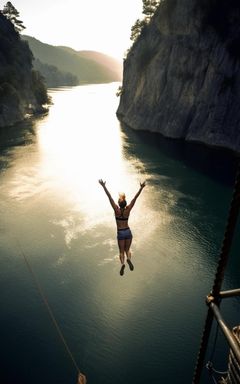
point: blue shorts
(124, 234)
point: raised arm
(142, 185)
(103, 184)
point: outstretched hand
(102, 182)
(142, 185)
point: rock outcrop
(22, 91)
(181, 77)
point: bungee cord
(81, 377)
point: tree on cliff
(12, 14)
(137, 29)
(39, 89)
(149, 8)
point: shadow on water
(216, 163)
(20, 134)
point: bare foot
(130, 264)
(122, 269)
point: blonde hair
(122, 200)
(122, 196)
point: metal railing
(214, 299)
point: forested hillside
(53, 77)
(86, 67)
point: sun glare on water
(79, 142)
(82, 146)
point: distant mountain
(100, 58)
(87, 66)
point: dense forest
(22, 89)
(53, 77)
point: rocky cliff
(22, 91)
(182, 75)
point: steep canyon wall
(182, 75)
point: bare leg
(127, 246)
(128, 243)
(121, 246)
(121, 255)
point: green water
(144, 327)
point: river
(145, 326)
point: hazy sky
(100, 25)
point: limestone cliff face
(182, 76)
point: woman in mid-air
(124, 234)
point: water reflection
(216, 163)
(76, 150)
(50, 199)
(21, 134)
